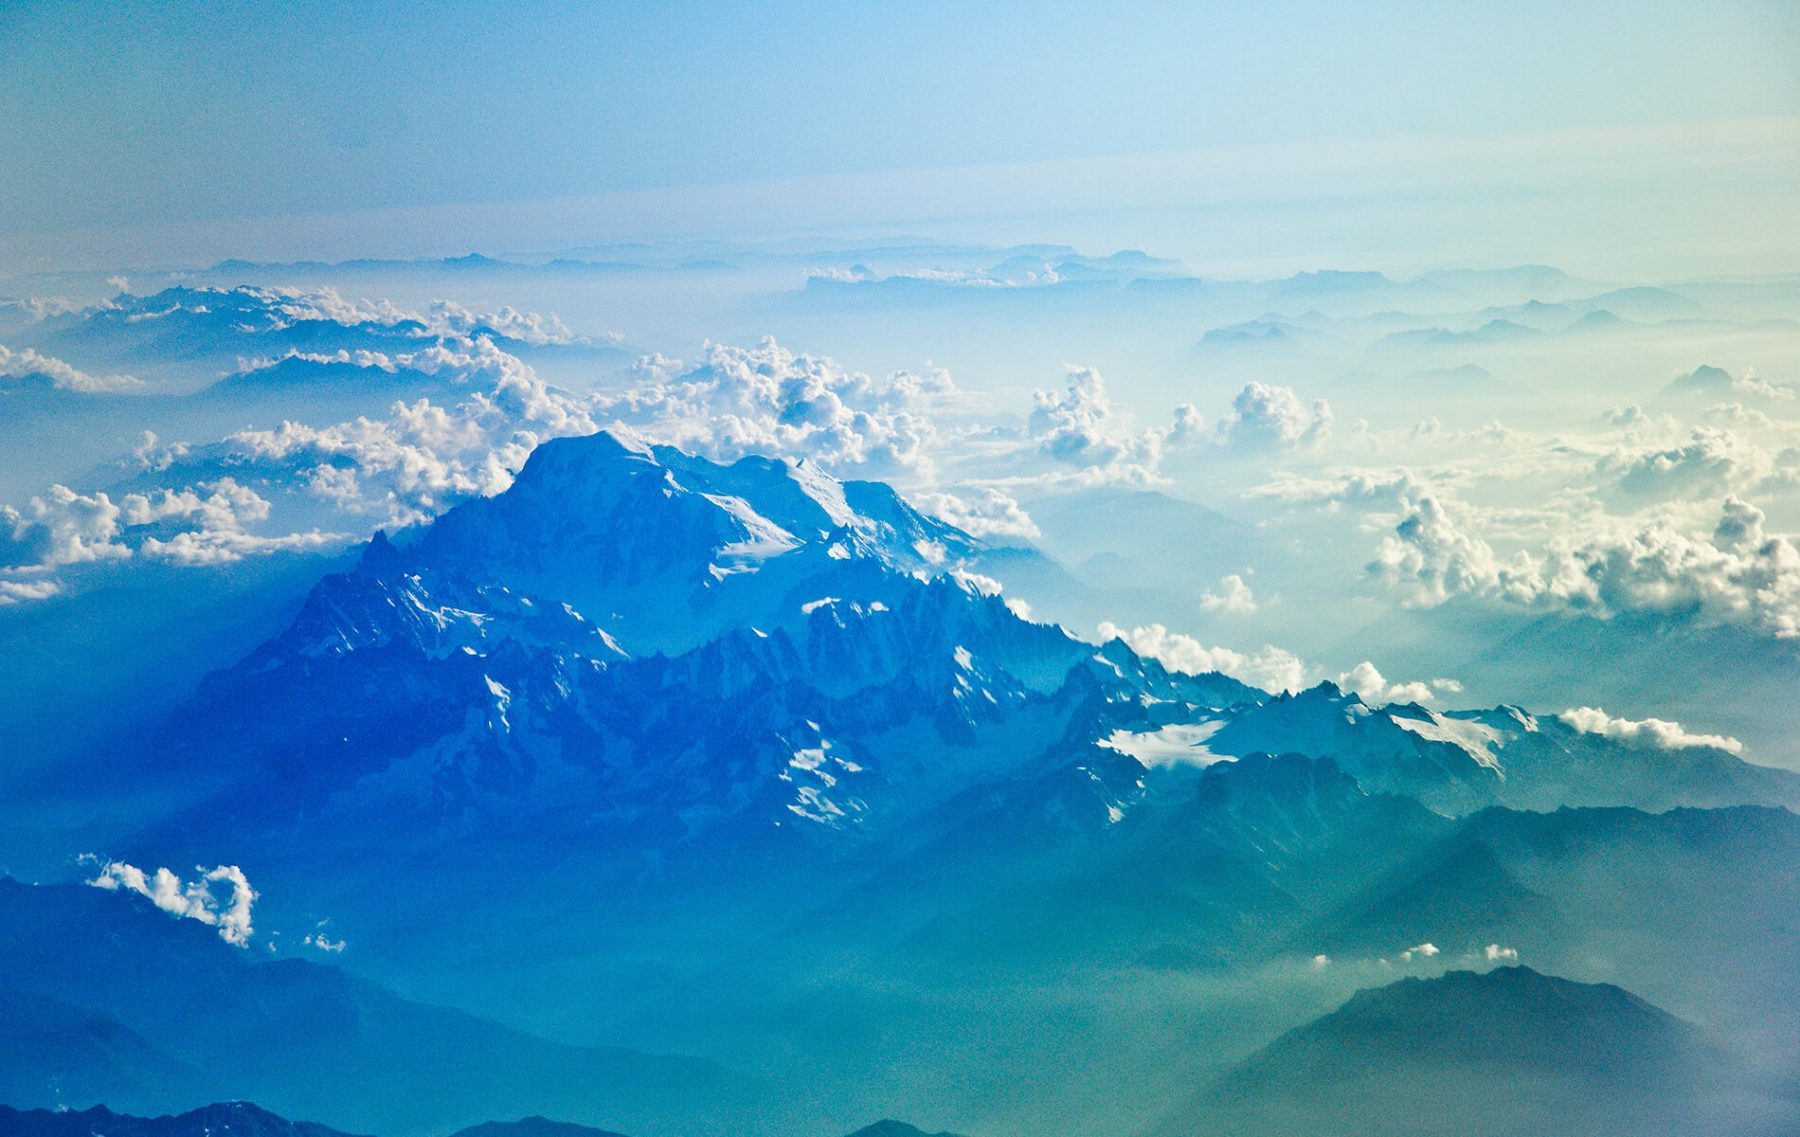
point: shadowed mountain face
(1510, 1051)
(188, 1015)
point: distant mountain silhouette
(224, 1119)
(1506, 1052)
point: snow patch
(1175, 744)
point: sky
(1412, 471)
(155, 133)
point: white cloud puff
(1661, 734)
(1233, 597)
(1368, 684)
(1080, 427)
(1271, 417)
(193, 900)
(1271, 668)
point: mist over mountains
(448, 713)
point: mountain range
(738, 798)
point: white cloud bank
(1270, 668)
(26, 363)
(1739, 576)
(768, 400)
(1662, 734)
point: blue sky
(131, 115)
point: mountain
(743, 761)
(306, 1038)
(1509, 1051)
(1459, 761)
(532, 1127)
(771, 652)
(1662, 901)
(55, 1050)
(891, 1128)
(224, 1119)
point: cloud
(979, 510)
(1494, 953)
(425, 456)
(193, 901)
(1080, 427)
(23, 591)
(318, 938)
(768, 400)
(1711, 461)
(1271, 668)
(1368, 684)
(229, 499)
(60, 527)
(1433, 558)
(1661, 734)
(1269, 417)
(446, 317)
(1233, 598)
(1422, 951)
(26, 363)
(199, 524)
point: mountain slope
(306, 1038)
(1510, 1051)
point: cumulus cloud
(206, 523)
(1270, 417)
(768, 400)
(1709, 462)
(1270, 668)
(1660, 734)
(1494, 953)
(1233, 597)
(1368, 684)
(1433, 558)
(979, 510)
(1423, 951)
(27, 363)
(425, 456)
(215, 505)
(1739, 576)
(446, 317)
(1079, 426)
(194, 900)
(60, 527)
